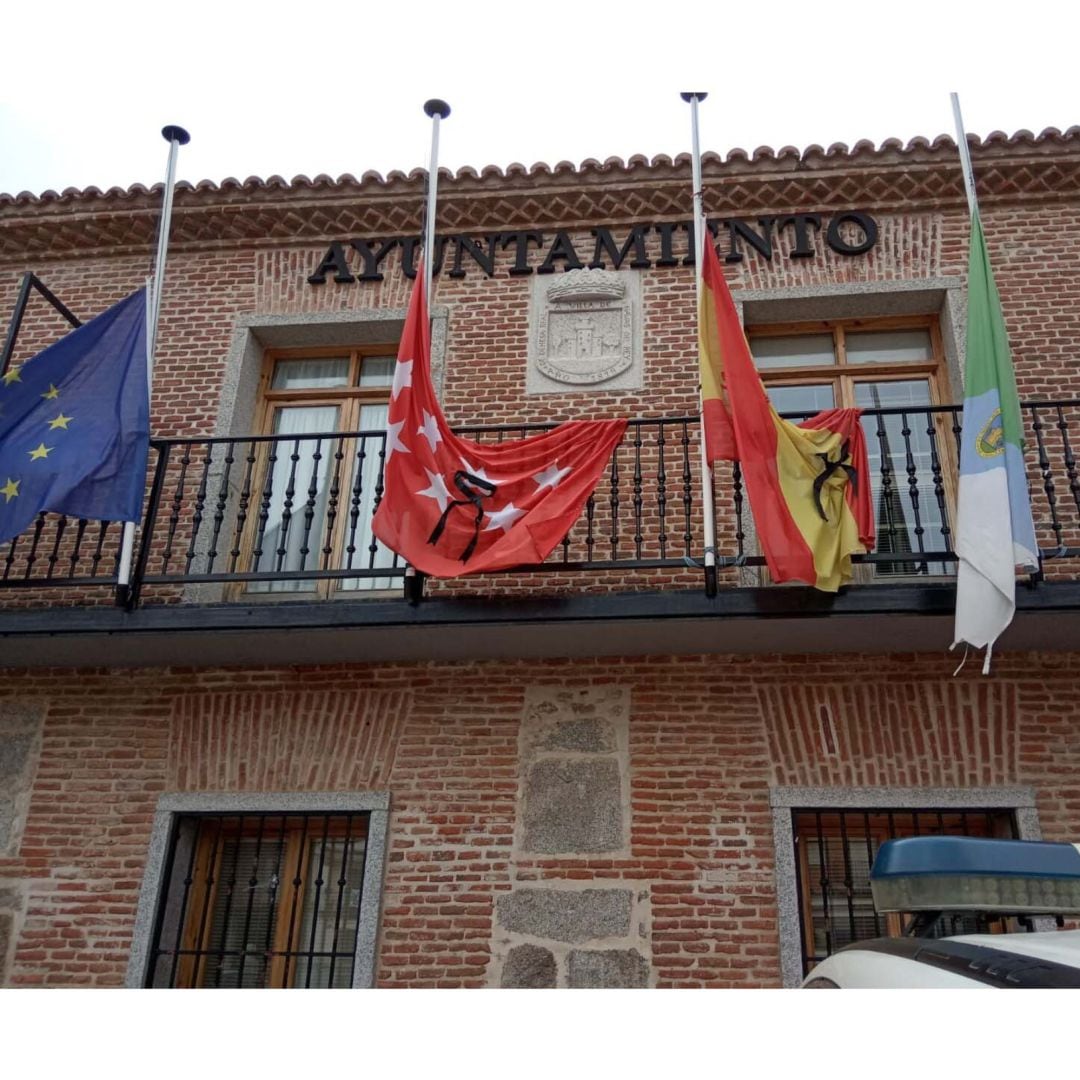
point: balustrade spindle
(309, 506)
(886, 486)
(614, 503)
(9, 560)
(1070, 459)
(54, 555)
(31, 556)
(200, 503)
(80, 532)
(687, 491)
(286, 511)
(939, 482)
(737, 500)
(913, 489)
(373, 547)
(661, 487)
(99, 548)
(219, 507)
(177, 505)
(242, 508)
(638, 502)
(354, 501)
(332, 504)
(1047, 474)
(264, 507)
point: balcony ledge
(758, 620)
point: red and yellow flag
(808, 483)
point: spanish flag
(808, 483)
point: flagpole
(700, 233)
(176, 137)
(437, 110)
(965, 154)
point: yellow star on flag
(12, 375)
(60, 421)
(10, 489)
(51, 394)
(42, 451)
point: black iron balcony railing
(291, 514)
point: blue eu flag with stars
(75, 424)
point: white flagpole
(965, 155)
(700, 233)
(437, 110)
(176, 137)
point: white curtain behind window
(373, 423)
(293, 534)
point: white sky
(333, 86)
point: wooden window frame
(842, 374)
(293, 861)
(349, 398)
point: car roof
(1058, 946)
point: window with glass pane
(792, 350)
(320, 478)
(805, 401)
(261, 900)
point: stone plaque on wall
(585, 332)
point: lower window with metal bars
(260, 900)
(834, 852)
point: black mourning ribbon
(828, 468)
(475, 491)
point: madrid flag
(808, 483)
(453, 506)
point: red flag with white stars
(452, 506)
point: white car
(1002, 879)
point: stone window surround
(253, 334)
(783, 800)
(944, 297)
(374, 803)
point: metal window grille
(260, 900)
(834, 851)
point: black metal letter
(372, 258)
(521, 242)
(840, 245)
(802, 223)
(635, 240)
(666, 229)
(760, 243)
(486, 262)
(335, 260)
(561, 249)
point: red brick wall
(708, 736)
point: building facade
(263, 765)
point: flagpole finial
(173, 132)
(436, 107)
(689, 95)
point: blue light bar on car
(963, 873)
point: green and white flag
(995, 532)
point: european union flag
(75, 424)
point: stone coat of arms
(584, 330)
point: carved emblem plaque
(584, 331)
